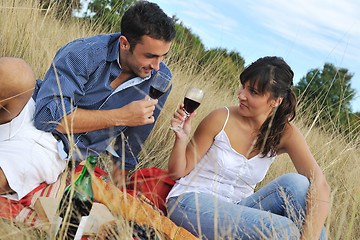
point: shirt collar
(113, 52)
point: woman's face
(252, 103)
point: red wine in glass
(190, 105)
(192, 100)
(155, 93)
(160, 83)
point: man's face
(145, 57)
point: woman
(231, 151)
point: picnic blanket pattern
(149, 186)
(23, 211)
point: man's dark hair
(146, 18)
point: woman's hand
(180, 118)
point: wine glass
(160, 83)
(192, 100)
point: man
(96, 89)
(28, 156)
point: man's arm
(67, 82)
(63, 85)
(133, 114)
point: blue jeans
(276, 211)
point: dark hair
(274, 75)
(146, 18)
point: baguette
(127, 206)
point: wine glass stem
(187, 114)
(181, 125)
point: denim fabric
(85, 68)
(276, 211)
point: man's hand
(136, 113)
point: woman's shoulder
(223, 114)
(291, 133)
(224, 111)
(219, 114)
(290, 130)
(215, 120)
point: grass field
(35, 35)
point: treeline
(324, 93)
(325, 96)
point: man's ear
(124, 43)
(277, 102)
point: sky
(306, 33)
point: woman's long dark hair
(274, 75)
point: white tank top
(224, 172)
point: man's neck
(125, 73)
(120, 79)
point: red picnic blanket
(23, 210)
(150, 185)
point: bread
(127, 206)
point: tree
(187, 47)
(228, 65)
(327, 93)
(109, 12)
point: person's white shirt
(28, 156)
(223, 172)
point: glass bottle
(79, 198)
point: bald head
(17, 83)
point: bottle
(79, 198)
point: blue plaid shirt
(85, 69)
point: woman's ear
(276, 102)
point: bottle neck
(88, 166)
(83, 174)
(82, 184)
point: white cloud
(307, 32)
(320, 24)
(206, 13)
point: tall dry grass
(35, 34)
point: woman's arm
(185, 155)
(317, 207)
